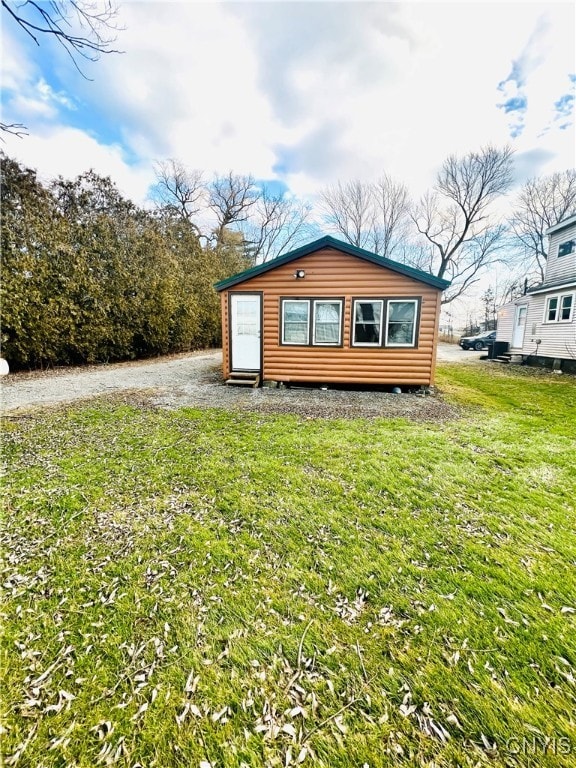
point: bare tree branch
(349, 210)
(84, 28)
(367, 215)
(15, 129)
(541, 204)
(276, 224)
(179, 191)
(231, 197)
(455, 220)
(59, 18)
(391, 206)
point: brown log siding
(332, 274)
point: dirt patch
(195, 380)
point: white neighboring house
(540, 327)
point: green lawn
(192, 588)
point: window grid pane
(401, 323)
(295, 325)
(566, 308)
(367, 323)
(327, 322)
(552, 309)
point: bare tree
(391, 208)
(181, 192)
(367, 215)
(231, 198)
(541, 204)
(276, 224)
(460, 234)
(349, 211)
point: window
(552, 309)
(327, 325)
(367, 331)
(368, 322)
(566, 307)
(312, 322)
(295, 321)
(567, 247)
(559, 308)
(401, 323)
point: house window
(559, 308)
(401, 323)
(367, 331)
(552, 309)
(312, 322)
(295, 321)
(567, 247)
(327, 322)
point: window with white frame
(311, 322)
(401, 322)
(559, 308)
(367, 322)
(327, 322)
(295, 321)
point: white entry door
(245, 331)
(519, 326)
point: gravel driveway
(452, 353)
(194, 379)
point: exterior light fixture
(299, 274)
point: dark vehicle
(482, 341)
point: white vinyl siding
(555, 339)
(505, 325)
(560, 268)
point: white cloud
(319, 90)
(68, 152)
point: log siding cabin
(332, 313)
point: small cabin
(331, 313)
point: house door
(519, 326)
(245, 331)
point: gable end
(331, 242)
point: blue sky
(300, 93)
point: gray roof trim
(561, 224)
(551, 288)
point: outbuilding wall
(331, 273)
(505, 324)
